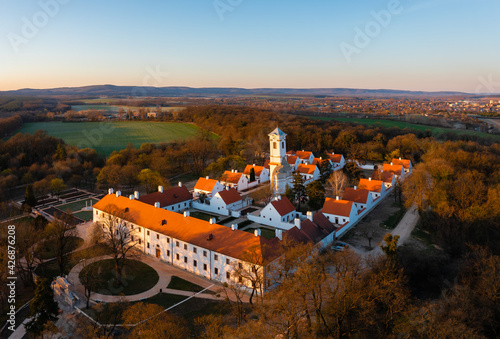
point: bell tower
(277, 139)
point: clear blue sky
(428, 45)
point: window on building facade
(240, 265)
(195, 263)
(140, 241)
(185, 246)
(204, 267)
(148, 245)
(157, 236)
(148, 232)
(195, 250)
(274, 145)
(216, 257)
(240, 279)
(216, 270)
(228, 262)
(177, 256)
(177, 244)
(204, 253)
(228, 275)
(186, 259)
(168, 253)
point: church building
(280, 170)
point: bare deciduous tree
(337, 182)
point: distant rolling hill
(139, 91)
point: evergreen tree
(299, 189)
(29, 196)
(43, 308)
(252, 174)
(316, 193)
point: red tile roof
(191, 230)
(322, 221)
(306, 169)
(387, 176)
(231, 177)
(229, 196)
(291, 159)
(258, 170)
(283, 206)
(205, 184)
(318, 161)
(372, 186)
(297, 235)
(303, 155)
(358, 195)
(403, 162)
(396, 169)
(337, 207)
(312, 231)
(266, 164)
(335, 157)
(170, 196)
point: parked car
(340, 246)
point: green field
(106, 137)
(77, 205)
(436, 131)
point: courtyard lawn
(84, 215)
(137, 277)
(177, 283)
(203, 216)
(264, 232)
(77, 205)
(106, 137)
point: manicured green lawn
(202, 216)
(84, 215)
(77, 205)
(106, 137)
(137, 277)
(177, 283)
(49, 251)
(264, 232)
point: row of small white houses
(212, 250)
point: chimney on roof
(136, 195)
(227, 188)
(276, 199)
(399, 158)
(279, 234)
(131, 197)
(157, 204)
(118, 193)
(110, 191)
(257, 232)
(302, 150)
(253, 165)
(370, 179)
(320, 158)
(186, 214)
(180, 184)
(310, 215)
(333, 153)
(207, 177)
(337, 198)
(160, 189)
(391, 163)
(212, 221)
(297, 222)
(234, 227)
(355, 187)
